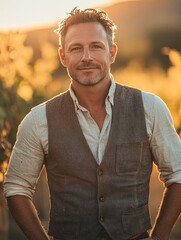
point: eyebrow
(79, 44)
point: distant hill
(144, 27)
(143, 16)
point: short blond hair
(77, 16)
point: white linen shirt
(31, 146)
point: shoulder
(56, 100)
(153, 103)
(157, 114)
(34, 121)
(38, 114)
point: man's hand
(151, 238)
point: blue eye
(96, 46)
(75, 49)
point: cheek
(107, 60)
(73, 61)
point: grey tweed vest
(85, 196)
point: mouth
(90, 68)
(87, 67)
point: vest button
(99, 172)
(101, 198)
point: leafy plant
(22, 85)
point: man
(97, 141)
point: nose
(86, 56)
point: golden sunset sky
(26, 14)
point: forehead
(85, 32)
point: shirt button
(102, 219)
(101, 198)
(99, 172)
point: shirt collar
(110, 96)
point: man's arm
(169, 212)
(166, 149)
(25, 214)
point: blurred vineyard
(24, 84)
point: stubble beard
(89, 81)
(86, 79)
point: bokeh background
(149, 58)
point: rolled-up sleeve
(26, 160)
(165, 142)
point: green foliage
(21, 86)
(12, 109)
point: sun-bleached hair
(77, 16)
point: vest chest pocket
(128, 158)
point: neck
(91, 97)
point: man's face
(87, 54)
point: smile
(87, 68)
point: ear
(62, 56)
(113, 52)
